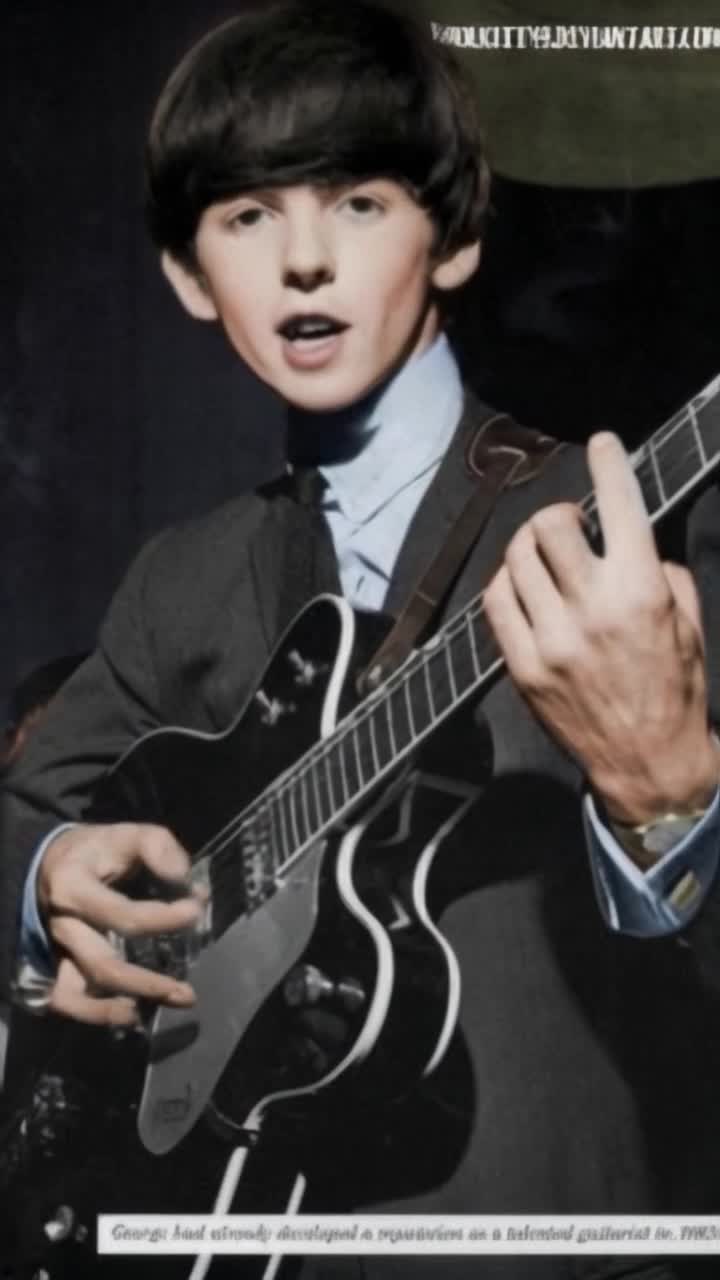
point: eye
(248, 216)
(363, 207)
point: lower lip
(314, 354)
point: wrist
(684, 790)
(646, 843)
(45, 858)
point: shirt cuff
(662, 898)
(35, 954)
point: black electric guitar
(313, 823)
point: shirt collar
(370, 453)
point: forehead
(324, 190)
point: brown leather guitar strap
(501, 455)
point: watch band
(649, 841)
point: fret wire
(328, 774)
(343, 769)
(399, 717)
(469, 622)
(408, 704)
(696, 433)
(373, 741)
(465, 623)
(428, 685)
(648, 477)
(439, 680)
(352, 784)
(304, 803)
(656, 472)
(283, 826)
(316, 793)
(391, 726)
(450, 667)
(290, 794)
(358, 757)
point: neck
(340, 435)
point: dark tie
(305, 485)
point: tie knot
(305, 485)
(308, 486)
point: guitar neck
(680, 454)
(459, 661)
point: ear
(189, 287)
(454, 270)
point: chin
(326, 395)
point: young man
(316, 185)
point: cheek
(243, 320)
(405, 286)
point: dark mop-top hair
(315, 91)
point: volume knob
(306, 984)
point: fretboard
(336, 774)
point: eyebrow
(326, 190)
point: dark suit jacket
(584, 1074)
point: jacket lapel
(293, 560)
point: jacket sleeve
(182, 641)
(703, 933)
(112, 699)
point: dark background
(118, 414)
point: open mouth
(310, 328)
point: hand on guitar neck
(608, 649)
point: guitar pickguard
(189, 1049)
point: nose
(309, 257)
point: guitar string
(322, 751)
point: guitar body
(334, 979)
(322, 987)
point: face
(321, 291)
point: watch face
(664, 834)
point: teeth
(309, 328)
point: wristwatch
(649, 841)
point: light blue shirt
(373, 495)
(382, 458)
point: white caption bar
(404, 1234)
